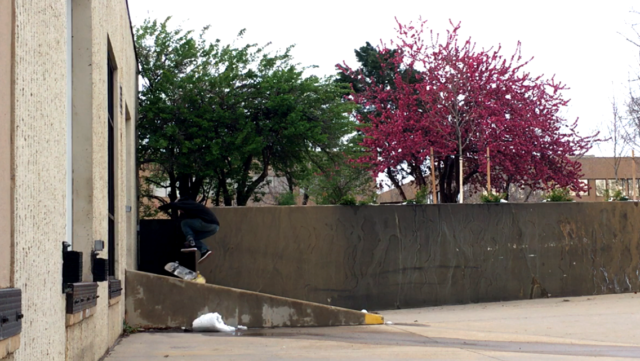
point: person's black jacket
(192, 209)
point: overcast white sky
(577, 41)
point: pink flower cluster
(461, 101)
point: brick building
(68, 93)
(599, 174)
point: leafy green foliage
(374, 66)
(334, 176)
(615, 196)
(378, 68)
(286, 199)
(145, 209)
(559, 195)
(492, 197)
(127, 329)
(348, 201)
(421, 196)
(216, 118)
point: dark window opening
(111, 165)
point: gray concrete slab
(600, 327)
(155, 301)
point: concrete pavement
(602, 327)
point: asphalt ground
(579, 328)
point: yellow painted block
(372, 319)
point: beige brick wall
(40, 173)
(6, 251)
(40, 165)
(109, 29)
(87, 340)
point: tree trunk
(245, 193)
(416, 172)
(396, 184)
(528, 195)
(447, 181)
(188, 187)
(217, 200)
(290, 181)
(222, 185)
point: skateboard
(184, 273)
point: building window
(633, 189)
(601, 186)
(618, 185)
(111, 96)
(585, 182)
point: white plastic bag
(211, 322)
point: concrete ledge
(113, 301)
(154, 301)
(9, 345)
(79, 316)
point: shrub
(128, 330)
(616, 196)
(558, 195)
(421, 196)
(286, 199)
(348, 201)
(492, 197)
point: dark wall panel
(383, 257)
(160, 243)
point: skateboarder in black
(197, 222)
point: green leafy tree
(335, 176)
(216, 118)
(174, 131)
(374, 66)
(286, 199)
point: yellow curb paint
(371, 319)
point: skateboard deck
(184, 273)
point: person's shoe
(189, 246)
(204, 255)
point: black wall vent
(100, 269)
(10, 312)
(115, 288)
(71, 267)
(81, 296)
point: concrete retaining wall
(160, 301)
(383, 257)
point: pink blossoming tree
(460, 102)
